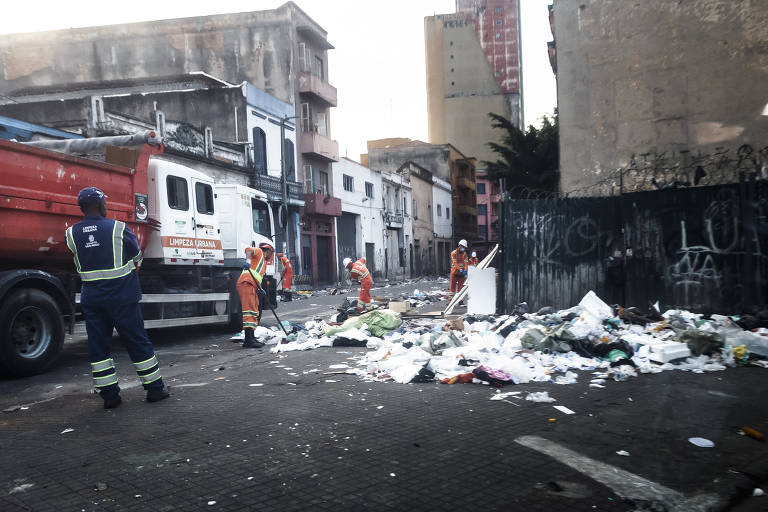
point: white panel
(481, 284)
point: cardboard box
(400, 306)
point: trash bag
(701, 342)
(424, 375)
(532, 338)
(546, 310)
(379, 322)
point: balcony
(314, 85)
(314, 144)
(467, 209)
(273, 187)
(464, 182)
(394, 219)
(320, 204)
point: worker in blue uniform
(107, 255)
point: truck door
(207, 242)
(178, 226)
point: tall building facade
(281, 51)
(655, 93)
(474, 67)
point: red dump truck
(193, 233)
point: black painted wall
(704, 249)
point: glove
(246, 265)
(261, 293)
(463, 273)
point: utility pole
(283, 173)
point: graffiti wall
(703, 249)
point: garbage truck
(192, 231)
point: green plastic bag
(379, 323)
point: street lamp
(286, 241)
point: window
(178, 195)
(319, 70)
(415, 210)
(499, 9)
(306, 117)
(369, 190)
(290, 159)
(260, 150)
(482, 209)
(498, 22)
(321, 124)
(439, 210)
(447, 213)
(260, 212)
(322, 184)
(405, 206)
(481, 189)
(308, 187)
(482, 230)
(204, 198)
(498, 35)
(304, 57)
(349, 183)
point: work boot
(157, 394)
(112, 402)
(251, 341)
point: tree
(529, 159)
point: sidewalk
(251, 430)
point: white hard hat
(346, 262)
(474, 254)
(462, 243)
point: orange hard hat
(279, 255)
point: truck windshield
(261, 224)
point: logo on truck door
(142, 211)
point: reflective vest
(105, 268)
(286, 264)
(459, 261)
(258, 265)
(359, 270)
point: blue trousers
(100, 319)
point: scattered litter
(21, 488)
(330, 380)
(67, 430)
(338, 366)
(392, 475)
(211, 503)
(541, 396)
(701, 442)
(563, 409)
(255, 385)
(754, 434)
(379, 406)
(623, 453)
(758, 492)
(100, 486)
(503, 396)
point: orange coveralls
(246, 287)
(473, 262)
(287, 273)
(360, 272)
(459, 262)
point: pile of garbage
(549, 345)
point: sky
(377, 65)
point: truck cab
(246, 220)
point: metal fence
(703, 248)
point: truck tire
(31, 332)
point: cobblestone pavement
(251, 430)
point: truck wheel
(31, 332)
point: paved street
(251, 430)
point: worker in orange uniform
(287, 274)
(473, 261)
(459, 266)
(250, 291)
(359, 272)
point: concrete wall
(423, 224)
(658, 81)
(441, 220)
(461, 87)
(252, 46)
(434, 158)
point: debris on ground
(614, 343)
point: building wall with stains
(653, 84)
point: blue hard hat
(90, 195)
